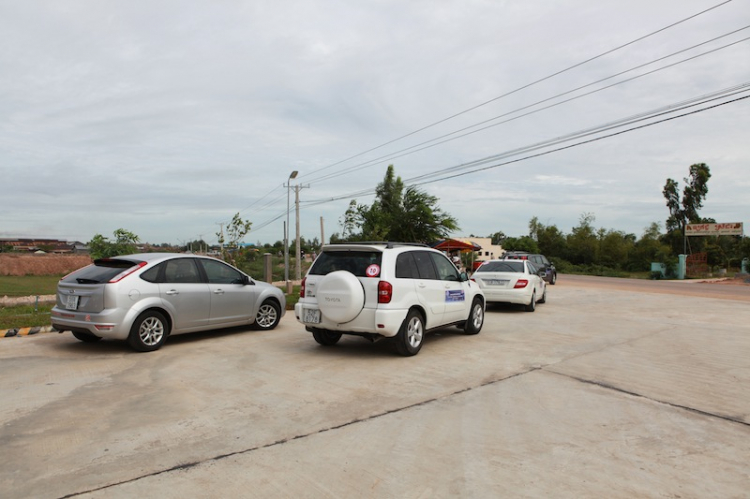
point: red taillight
(302, 288)
(521, 283)
(122, 275)
(385, 292)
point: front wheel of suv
(476, 318)
(411, 335)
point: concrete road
(602, 392)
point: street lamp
(292, 175)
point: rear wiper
(86, 281)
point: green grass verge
(25, 316)
(28, 285)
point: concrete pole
(298, 266)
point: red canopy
(456, 245)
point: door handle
(172, 292)
(218, 291)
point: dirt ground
(26, 264)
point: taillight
(521, 283)
(122, 275)
(302, 288)
(385, 292)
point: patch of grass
(25, 316)
(28, 285)
(292, 299)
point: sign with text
(732, 229)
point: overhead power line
(448, 173)
(472, 129)
(519, 89)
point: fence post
(267, 267)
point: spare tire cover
(341, 296)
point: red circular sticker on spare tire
(373, 270)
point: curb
(26, 331)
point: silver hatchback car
(144, 298)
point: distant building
(489, 251)
(32, 245)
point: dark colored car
(540, 261)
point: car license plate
(496, 282)
(71, 302)
(311, 316)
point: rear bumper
(521, 297)
(383, 322)
(106, 324)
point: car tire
(543, 299)
(149, 331)
(532, 304)
(341, 296)
(86, 337)
(476, 318)
(411, 335)
(554, 278)
(325, 337)
(268, 317)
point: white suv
(386, 290)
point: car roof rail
(388, 244)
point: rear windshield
(355, 262)
(506, 266)
(101, 271)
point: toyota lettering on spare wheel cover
(393, 291)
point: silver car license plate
(71, 302)
(311, 316)
(496, 282)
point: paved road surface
(602, 392)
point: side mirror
(464, 277)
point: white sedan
(511, 281)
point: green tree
(685, 211)
(550, 239)
(523, 243)
(397, 214)
(235, 232)
(125, 243)
(583, 242)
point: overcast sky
(168, 117)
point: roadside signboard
(730, 229)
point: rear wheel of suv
(476, 318)
(86, 337)
(149, 331)
(325, 337)
(411, 335)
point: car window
(406, 267)
(221, 273)
(445, 269)
(544, 261)
(100, 271)
(181, 270)
(533, 269)
(502, 266)
(152, 274)
(425, 267)
(356, 262)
